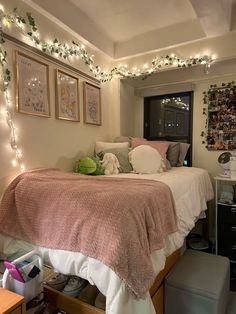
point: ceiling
(124, 28)
(122, 20)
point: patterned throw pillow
(122, 156)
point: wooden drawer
(158, 300)
(69, 304)
(227, 214)
(76, 306)
(11, 303)
(16, 311)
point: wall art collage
(221, 117)
(33, 98)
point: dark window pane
(168, 117)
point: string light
(76, 49)
(26, 25)
(13, 135)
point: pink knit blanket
(118, 221)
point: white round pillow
(146, 159)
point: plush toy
(110, 163)
(89, 165)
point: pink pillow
(160, 146)
(137, 141)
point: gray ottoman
(198, 284)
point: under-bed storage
(75, 306)
(141, 204)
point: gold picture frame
(92, 104)
(67, 96)
(32, 86)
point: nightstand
(11, 303)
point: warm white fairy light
(14, 163)
(67, 51)
(27, 27)
(18, 161)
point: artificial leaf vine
(27, 26)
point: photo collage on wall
(221, 133)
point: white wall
(180, 80)
(126, 109)
(184, 80)
(49, 142)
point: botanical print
(67, 97)
(92, 104)
(32, 86)
(221, 133)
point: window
(169, 117)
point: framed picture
(32, 86)
(67, 96)
(92, 104)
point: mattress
(191, 189)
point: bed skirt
(75, 306)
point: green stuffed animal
(89, 165)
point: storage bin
(27, 289)
(31, 287)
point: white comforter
(191, 188)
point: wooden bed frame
(75, 306)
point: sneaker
(58, 281)
(74, 286)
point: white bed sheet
(191, 189)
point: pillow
(136, 141)
(101, 146)
(122, 139)
(173, 153)
(122, 155)
(160, 146)
(182, 154)
(145, 159)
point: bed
(190, 190)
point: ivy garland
(27, 26)
(207, 107)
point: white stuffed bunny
(110, 163)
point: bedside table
(11, 303)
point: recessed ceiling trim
(78, 27)
(160, 39)
(214, 16)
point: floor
(48, 273)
